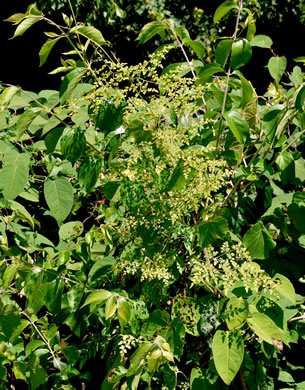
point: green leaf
(211, 230)
(262, 41)
(223, 51)
(9, 274)
(69, 83)
(248, 93)
(109, 116)
(207, 71)
(283, 160)
(53, 292)
(33, 290)
(46, 50)
(258, 241)
(150, 30)
(21, 212)
(25, 25)
(238, 125)
(170, 377)
(14, 174)
(236, 312)
(241, 53)
(7, 95)
(138, 358)
(52, 139)
(228, 353)
(70, 230)
(101, 268)
(73, 144)
(25, 120)
(265, 328)
(110, 307)
(89, 171)
(297, 214)
(123, 311)
(16, 18)
(223, 9)
(59, 197)
(196, 46)
(91, 33)
(277, 67)
(9, 320)
(300, 99)
(98, 296)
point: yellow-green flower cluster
(222, 270)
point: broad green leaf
(258, 241)
(52, 139)
(265, 328)
(228, 353)
(53, 292)
(25, 120)
(73, 144)
(196, 46)
(248, 93)
(69, 83)
(211, 230)
(16, 18)
(25, 25)
(277, 67)
(32, 345)
(223, 9)
(59, 197)
(236, 312)
(46, 50)
(7, 95)
(54, 121)
(109, 116)
(91, 33)
(300, 99)
(75, 296)
(70, 230)
(241, 53)
(101, 268)
(150, 30)
(262, 41)
(21, 212)
(223, 51)
(157, 320)
(297, 214)
(207, 71)
(34, 290)
(110, 307)
(19, 370)
(138, 358)
(299, 166)
(283, 160)
(9, 320)
(123, 310)
(9, 274)
(170, 377)
(14, 173)
(89, 171)
(177, 181)
(238, 125)
(98, 296)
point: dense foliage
(151, 227)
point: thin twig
(227, 80)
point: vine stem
(227, 80)
(43, 338)
(190, 64)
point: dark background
(19, 64)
